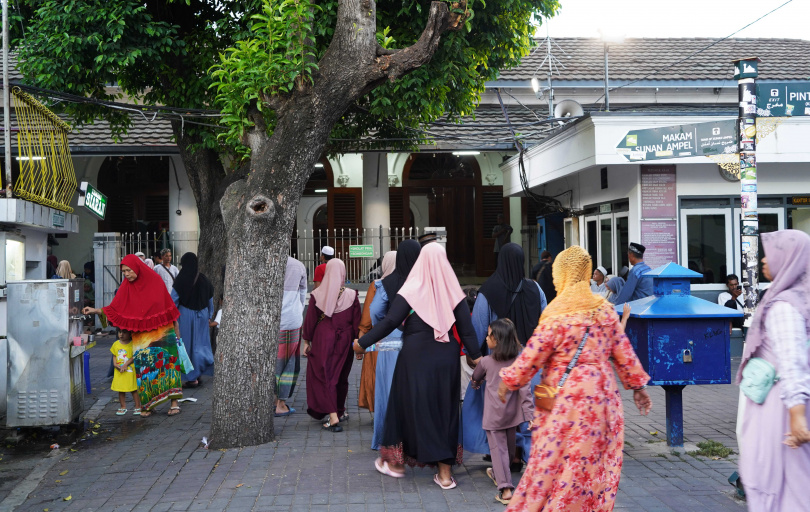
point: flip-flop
(121, 412)
(280, 414)
(451, 485)
(332, 428)
(383, 468)
(174, 409)
(136, 412)
(491, 475)
(499, 498)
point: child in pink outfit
(501, 419)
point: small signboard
(805, 200)
(93, 200)
(783, 99)
(361, 251)
(58, 219)
(680, 141)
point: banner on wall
(659, 210)
(660, 237)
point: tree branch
(392, 64)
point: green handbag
(758, 377)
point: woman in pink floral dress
(576, 456)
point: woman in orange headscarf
(143, 306)
(576, 454)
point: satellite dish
(568, 108)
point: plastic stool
(87, 383)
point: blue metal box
(680, 339)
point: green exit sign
(361, 251)
(93, 200)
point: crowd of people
(150, 310)
(523, 370)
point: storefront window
(706, 246)
(606, 239)
(799, 218)
(622, 243)
(768, 222)
(591, 241)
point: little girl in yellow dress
(124, 379)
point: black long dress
(421, 423)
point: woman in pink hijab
(422, 419)
(330, 325)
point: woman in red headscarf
(144, 307)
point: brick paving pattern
(157, 464)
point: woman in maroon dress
(330, 326)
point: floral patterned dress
(576, 456)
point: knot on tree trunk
(261, 207)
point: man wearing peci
(637, 286)
(327, 253)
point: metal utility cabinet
(680, 339)
(45, 370)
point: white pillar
(376, 210)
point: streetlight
(607, 37)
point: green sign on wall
(361, 251)
(93, 200)
(680, 141)
(783, 99)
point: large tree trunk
(260, 211)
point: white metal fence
(305, 246)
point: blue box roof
(675, 306)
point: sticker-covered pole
(745, 71)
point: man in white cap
(327, 253)
(141, 255)
(598, 281)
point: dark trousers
(502, 450)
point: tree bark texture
(259, 211)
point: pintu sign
(93, 200)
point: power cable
(692, 54)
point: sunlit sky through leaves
(680, 18)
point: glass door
(770, 219)
(706, 243)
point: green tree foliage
(497, 35)
(156, 51)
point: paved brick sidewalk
(157, 464)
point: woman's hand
(305, 348)
(502, 391)
(643, 401)
(476, 384)
(358, 349)
(90, 311)
(799, 433)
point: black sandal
(332, 428)
(345, 417)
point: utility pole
(6, 103)
(745, 71)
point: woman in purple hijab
(774, 438)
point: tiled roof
(583, 58)
(142, 134)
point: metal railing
(306, 245)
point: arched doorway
(458, 200)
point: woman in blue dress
(193, 295)
(506, 294)
(389, 347)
